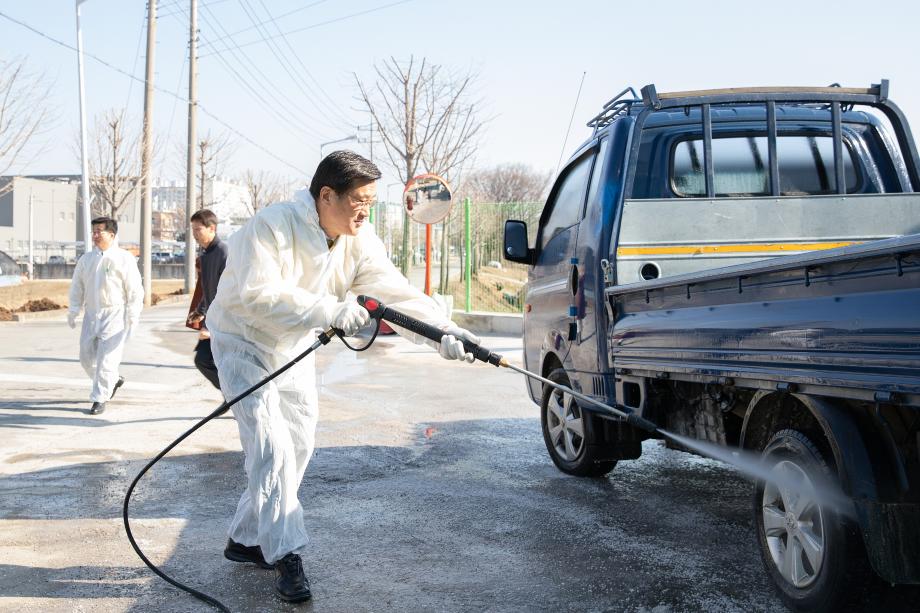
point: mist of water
(824, 491)
(821, 489)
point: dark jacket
(213, 259)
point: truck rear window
(741, 166)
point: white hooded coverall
(109, 284)
(281, 283)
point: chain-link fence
(493, 283)
(482, 282)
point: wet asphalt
(430, 490)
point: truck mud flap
(891, 533)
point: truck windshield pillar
(771, 148)
(840, 180)
(707, 150)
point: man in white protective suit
(107, 282)
(294, 268)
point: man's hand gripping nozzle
(378, 310)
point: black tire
(573, 452)
(827, 562)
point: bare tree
(507, 183)
(425, 120)
(514, 190)
(213, 153)
(114, 163)
(264, 188)
(23, 112)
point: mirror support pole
(428, 258)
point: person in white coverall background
(294, 268)
(107, 282)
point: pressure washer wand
(378, 310)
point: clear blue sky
(529, 56)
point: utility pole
(147, 154)
(31, 223)
(192, 136)
(84, 164)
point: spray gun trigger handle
(373, 306)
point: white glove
(130, 325)
(349, 317)
(451, 347)
(72, 320)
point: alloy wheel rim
(793, 524)
(565, 425)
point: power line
(316, 83)
(324, 23)
(267, 88)
(137, 54)
(289, 69)
(273, 19)
(180, 4)
(159, 89)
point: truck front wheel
(809, 549)
(569, 432)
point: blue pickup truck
(742, 266)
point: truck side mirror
(516, 249)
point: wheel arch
(839, 432)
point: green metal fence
(466, 252)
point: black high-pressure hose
(377, 311)
(323, 339)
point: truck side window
(740, 166)
(598, 171)
(567, 208)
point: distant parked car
(160, 257)
(57, 259)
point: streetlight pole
(84, 163)
(332, 142)
(147, 157)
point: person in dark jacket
(212, 260)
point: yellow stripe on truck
(740, 248)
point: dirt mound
(155, 298)
(42, 304)
(6, 314)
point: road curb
(484, 322)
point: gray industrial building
(57, 217)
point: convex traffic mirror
(427, 199)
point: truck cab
(741, 266)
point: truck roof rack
(618, 105)
(876, 93)
(837, 100)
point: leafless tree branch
(24, 112)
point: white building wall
(57, 218)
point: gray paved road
(430, 491)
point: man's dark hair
(108, 224)
(205, 217)
(343, 170)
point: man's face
(345, 213)
(203, 234)
(102, 238)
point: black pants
(204, 361)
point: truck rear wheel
(811, 552)
(569, 432)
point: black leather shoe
(291, 583)
(121, 381)
(97, 408)
(242, 553)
